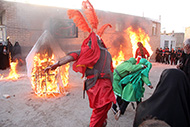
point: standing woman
(141, 52)
(170, 101)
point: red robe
(138, 54)
(101, 95)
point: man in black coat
(184, 65)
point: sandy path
(24, 109)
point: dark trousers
(122, 104)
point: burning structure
(44, 53)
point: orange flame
(13, 72)
(139, 36)
(65, 74)
(51, 82)
(118, 59)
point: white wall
(171, 41)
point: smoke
(56, 27)
(137, 23)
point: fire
(118, 59)
(65, 74)
(13, 72)
(48, 83)
(136, 36)
(1, 77)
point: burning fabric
(43, 54)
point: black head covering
(170, 101)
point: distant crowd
(168, 57)
(9, 53)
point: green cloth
(134, 90)
(124, 68)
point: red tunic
(101, 93)
(101, 97)
(138, 54)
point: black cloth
(185, 62)
(4, 58)
(16, 49)
(170, 101)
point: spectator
(17, 53)
(172, 56)
(185, 59)
(160, 55)
(170, 101)
(163, 56)
(178, 55)
(167, 54)
(157, 55)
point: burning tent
(45, 52)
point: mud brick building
(25, 23)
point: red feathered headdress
(88, 55)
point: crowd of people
(9, 53)
(168, 57)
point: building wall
(25, 23)
(179, 39)
(170, 39)
(187, 33)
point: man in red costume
(141, 52)
(95, 63)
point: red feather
(90, 14)
(102, 29)
(78, 19)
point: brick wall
(25, 23)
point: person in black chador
(170, 101)
(1, 57)
(17, 53)
(16, 50)
(4, 57)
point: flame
(13, 72)
(118, 59)
(139, 36)
(65, 74)
(51, 82)
(1, 76)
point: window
(71, 31)
(118, 27)
(63, 28)
(154, 29)
(166, 43)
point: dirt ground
(24, 109)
